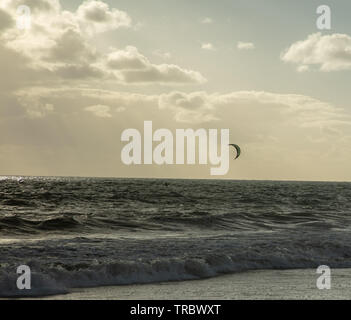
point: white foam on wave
(61, 264)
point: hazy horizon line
(169, 178)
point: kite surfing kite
(238, 150)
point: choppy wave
(16, 225)
(42, 205)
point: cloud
(164, 74)
(208, 46)
(57, 40)
(70, 100)
(96, 17)
(59, 47)
(79, 72)
(303, 68)
(245, 45)
(207, 20)
(189, 108)
(127, 59)
(252, 112)
(100, 111)
(69, 47)
(62, 33)
(133, 67)
(327, 52)
(300, 110)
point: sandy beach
(261, 284)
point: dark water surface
(93, 231)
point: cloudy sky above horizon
(87, 70)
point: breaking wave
(61, 264)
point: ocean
(89, 232)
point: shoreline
(295, 284)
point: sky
(85, 71)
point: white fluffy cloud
(327, 52)
(208, 46)
(60, 45)
(59, 40)
(127, 59)
(245, 45)
(71, 48)
(90, 18)
(96, 17)
(132, 67)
